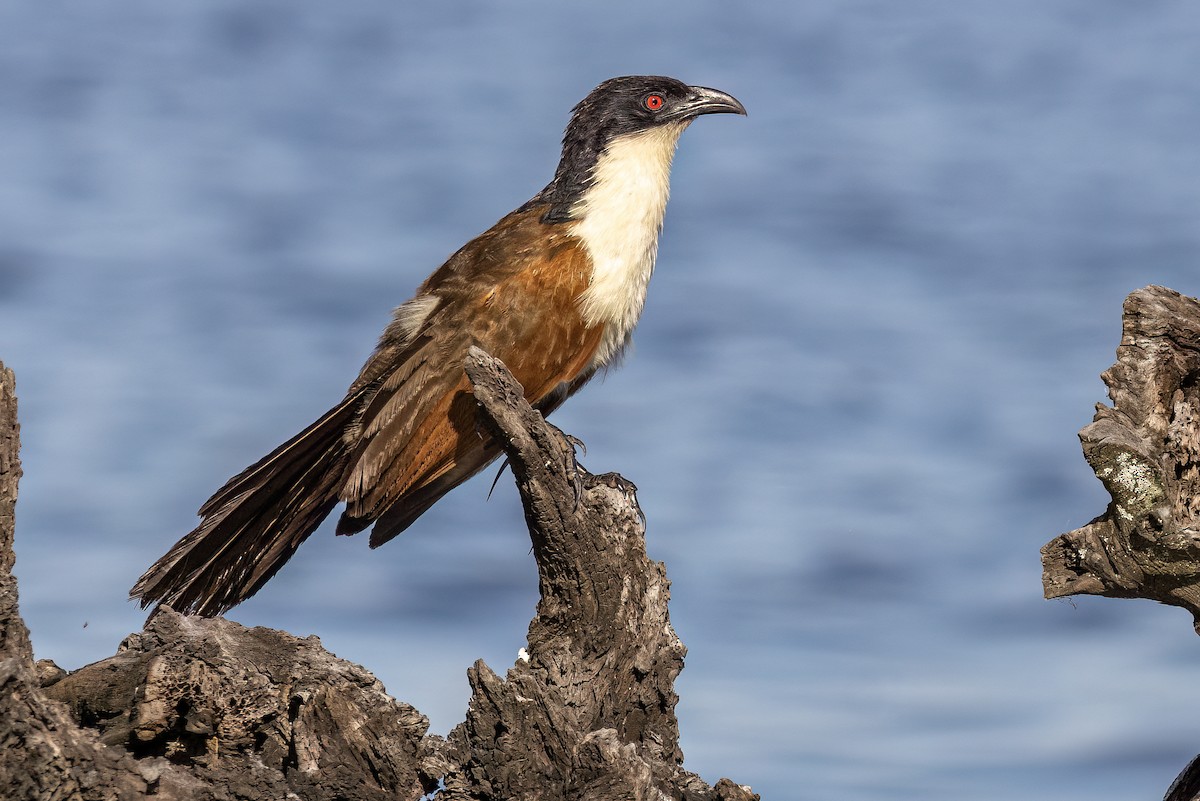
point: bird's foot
(618, 482)
(576, 473)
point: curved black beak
(702, 100)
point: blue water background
(882, 305)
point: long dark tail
(254, 524)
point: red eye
(653, 102)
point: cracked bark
(206, 708)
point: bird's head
(636, 103)
(652, 107)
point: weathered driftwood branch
(206, 708)
(1146, 451)
(251, 712)
(590, 712)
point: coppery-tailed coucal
(554, 290)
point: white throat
(620, 216)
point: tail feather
(299, 449)
(414, 503)
(254, 524)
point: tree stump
(194, 708)
(1145, 449)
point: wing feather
(514, 292)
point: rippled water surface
(882, 305)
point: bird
(554, 290)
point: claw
(575, 441)
(496, 480)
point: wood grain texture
(251, 713)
